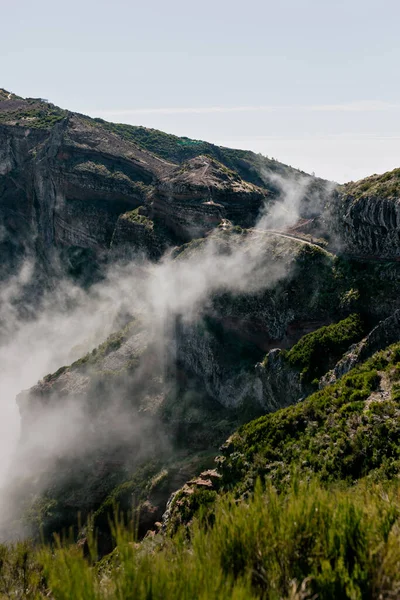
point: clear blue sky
(312, 83)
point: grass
(310, 542)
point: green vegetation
(335, 433)
(382, 186)
(6, 95)
(136, 490)
(170, 147)
(35, 115)
(134, 216)
(112, 343)
(319, 351)
(396, 392)
(114, 173)
(180, 149)
(320, 542)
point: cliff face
(73, 182)
(66, 182)
(223, 347)
(195, 198)
(367, 216)
(19, 226)
(385, 333)
(279, 384)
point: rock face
(65, 181)
(371, 226)
(387, 332)
(73, 183)
(202, 351)
(198, 195)
(223, 346)
(366, 216)
(136, 234)
(279, 384)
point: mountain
(72, 183)
(253, 358)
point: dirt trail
(382, 393)
(289, 237)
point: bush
(313, 541)
(317, 352)
(333, 433)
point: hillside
(303, 535)
(215, 338)
(78, 194)
(381, 186)
(38, 114)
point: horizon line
(360, 106)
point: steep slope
(184, 390)
(65, 179)
(75, 197)
(346, 431)
(367, 216)
(250, 166)
(146, 410)
(190, 387)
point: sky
(312, 83)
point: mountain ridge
(255, 307)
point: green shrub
(311, 542)
(384, 186)
(396, 392)
(317, 352)
(333, 433)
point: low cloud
(71, 322)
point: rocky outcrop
(89, 380)
(137, 235)
(198, 195)
(65, 187)
(200, 351)
(385, 333)
(366, 217)
(279, 384)
(370, 226)
(222, 347)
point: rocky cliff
(65, 180)
(366, 217)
